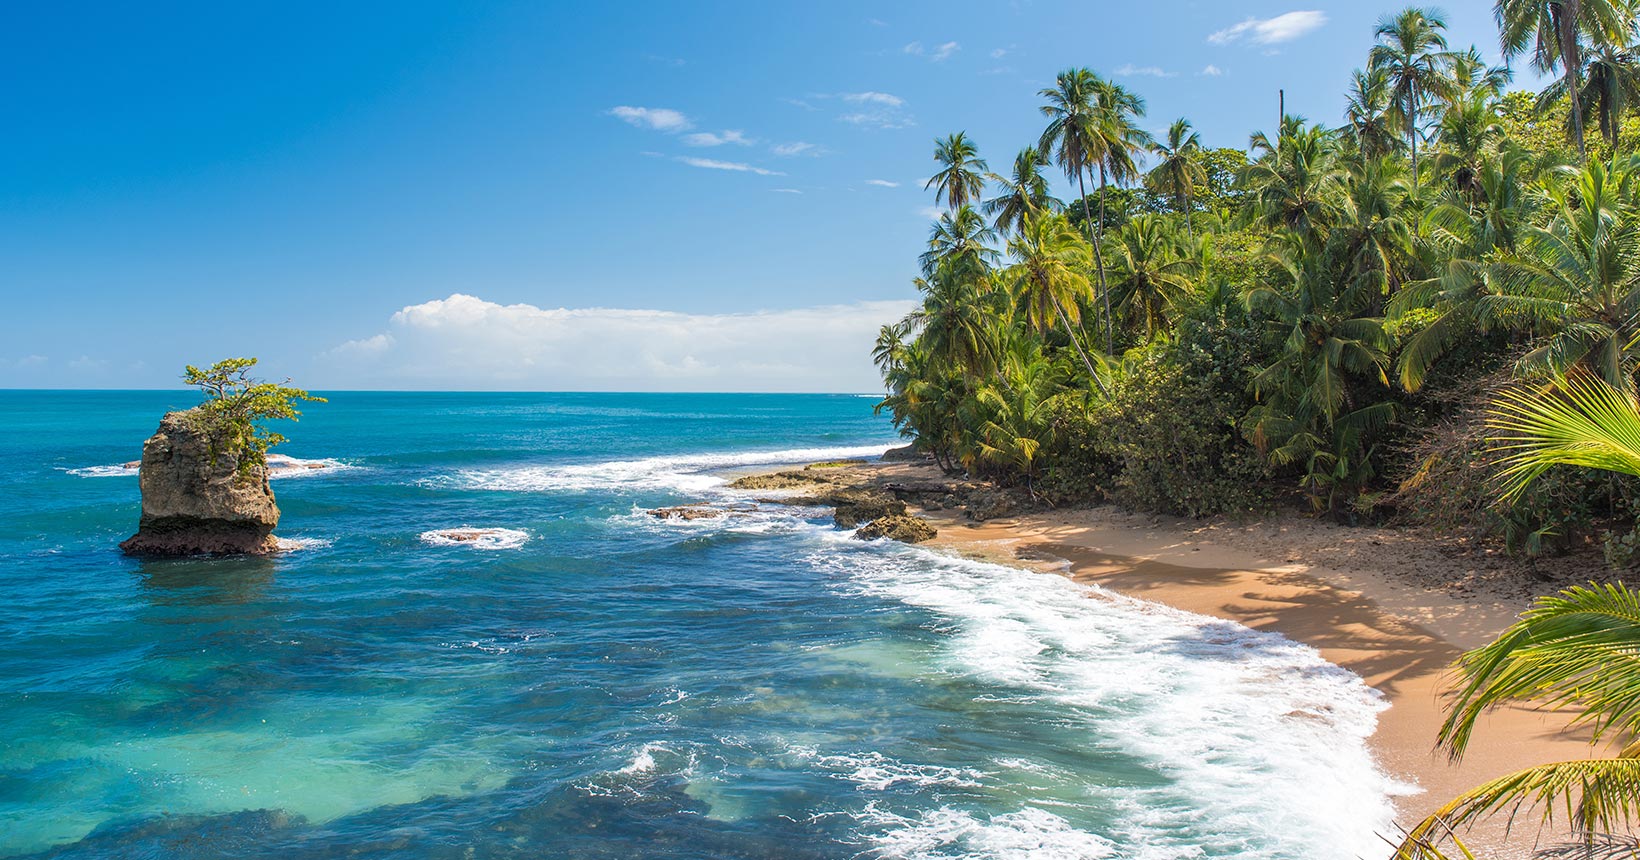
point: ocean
(597, 683)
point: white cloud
(931, 213)
(937, 54)
(881, 110)
(883, 183)
(1131, 70)
(799, 103)
(797, 147)
(466, 342)
(1271, 31)
(875, 98)
(659, 119)
(706, 138)
(737, 166)
(999, 53)
(786, 190)
(1211, 71)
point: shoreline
(1385, 604)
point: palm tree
(1368, 111)
(1150, 275)
(1611, 78)
(1468, 76)
(1025, 194)
(1466, 134)
(958, 241)
(1371, 242)
(956, 322)
(1296, 183)
(1411, 53)
(1075, 137)
(1118, 112)
(1554, 30)
(1178, 168)
(1579, 276)
(1049, 276)
(961, 177)
(1319, 398)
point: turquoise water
(603, 684)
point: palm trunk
(1099, 264)
(1566, 25)
(1070, 332)
(1412, 137)
(1189, 229)
(1087, 218)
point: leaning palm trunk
(1070, 332)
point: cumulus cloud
(706, 138)
(466, 342)
(1130, 70)
(883, 183)
(1211, 71)
(937, 54)
(736, 166)
(1271, 31)
(659, 119)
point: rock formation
(901, 527)
(196, 498)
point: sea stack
(197, 497)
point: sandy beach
(1386, 604)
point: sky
(553, 196)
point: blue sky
(403, 195)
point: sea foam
(279, 466)
(1262, 742)
(689, 473)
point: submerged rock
(901, 527)
(687, 512)
(197, 498)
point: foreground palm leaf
(1585, 423)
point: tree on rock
(204, 473)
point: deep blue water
(604, 684)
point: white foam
(279, 466)
(477, 538)
(946, 833)
(295, 544)
(1263, 743)
(688, 473)
(874, 771)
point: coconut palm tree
(1611, 78)
(1411, 53)
(1368, 111)
(1554, 32)
(1118, 112)
(1579, 276)
(959, 240)
(956, 323)
(1467, 133)
(1321, 396)
(1149, 272)
(961, 177)
(1077, 139)
(1468, 76)
(1296, 183)
(1049, 277)
(1178, 168)
(1025, 194)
